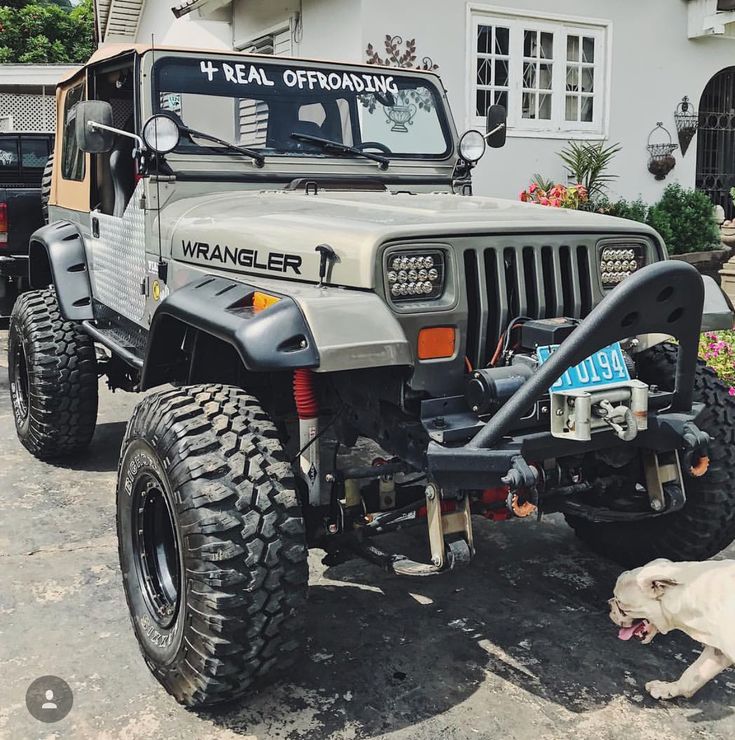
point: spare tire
(46, 186)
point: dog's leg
(708, 665)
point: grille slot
(540, 282)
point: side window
(72, 158)
(8, 154)
(33, 153)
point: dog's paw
(662, 689)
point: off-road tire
(239, 531)
(706, 524)
(52, 369)
(46, 186)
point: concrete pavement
(517, 645)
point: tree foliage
(50, 31)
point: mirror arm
(94, 125)
(499, 127)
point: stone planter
(727, 235)
(708, 263)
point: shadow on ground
(527, 616)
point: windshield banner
(300, 79)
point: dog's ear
(656, 577)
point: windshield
(262, 105)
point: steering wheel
(374, 145)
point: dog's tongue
(626, 633)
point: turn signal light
(261, 301)
(436, 342)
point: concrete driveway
(517, 645)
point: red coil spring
(304, 393)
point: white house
(594, 70)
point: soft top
(111, 51)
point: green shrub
(634, 210)
(684, 220)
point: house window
(548, 73)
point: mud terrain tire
(207, 493)
(706, 524)
(52, 369)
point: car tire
(46, 186)
(211, 542)
(706, 523)
(52, 370)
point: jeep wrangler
(344, 342)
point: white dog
(696, 598)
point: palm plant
(587, 165)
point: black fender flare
(56, 256)
(273, 339)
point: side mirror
(90, 138)
(496, 128)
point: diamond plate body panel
(118, 264)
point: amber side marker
(436, 342)
(261, 301)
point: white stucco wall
(190, 30)
(654, 64)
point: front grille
(544, 281)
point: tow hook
(696, 457)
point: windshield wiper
(253, 153)
(336, 146)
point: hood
(275, 233)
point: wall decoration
(407, 102)
(687, 123)
(661, 154)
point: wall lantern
(661, 160)
(687, 123)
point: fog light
(416, 275)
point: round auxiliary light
(472, 146)
(392, 276)
(396, 264)
(161, 134)
(428, 261)
(403, 276)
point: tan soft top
(110, 51)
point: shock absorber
(307, 408)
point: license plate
(605, 367)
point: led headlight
(618, 263)
(416, 275)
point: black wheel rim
(20, 380)
(156, 549)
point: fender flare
(276, 338)
(56, 256)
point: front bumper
(663, 298)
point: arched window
(716, 140)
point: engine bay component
(487, 389)
(545, 332)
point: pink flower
(732, 391)
(544, 201)
(533, 188)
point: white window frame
(561, 26)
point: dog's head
(636, 604)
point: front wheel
(706, 524)
(211, 542)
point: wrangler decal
(242, 257)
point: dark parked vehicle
(23, 160)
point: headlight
(416, 275)
(619, 262)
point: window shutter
(254, 115)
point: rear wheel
(706, 524)
(52, 368)
(211, 541)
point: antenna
(162, 268)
